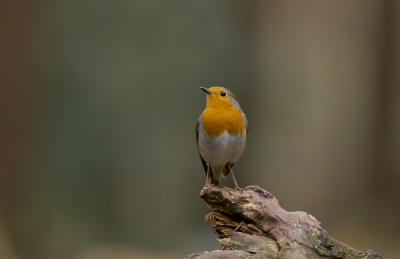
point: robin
(221, 133)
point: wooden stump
(251, 224)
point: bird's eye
(223, 93)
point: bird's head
(219, 97)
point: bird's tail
(227, 169)
(212, 177)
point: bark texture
(251, 224)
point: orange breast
(217, 121)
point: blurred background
(99, 100)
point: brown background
(99, 100)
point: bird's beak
(205, 90)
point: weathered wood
(251, 224)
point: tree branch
(251, 224)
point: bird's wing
(203, 162)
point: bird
(221, 133)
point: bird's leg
(234, 180)
(208, 173)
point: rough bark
(251, 224)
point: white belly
(219, 151)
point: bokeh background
(99, 100)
